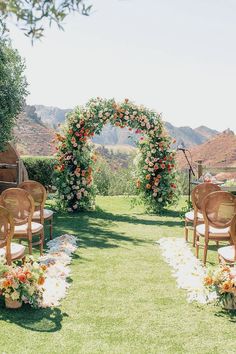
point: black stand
(190, 171)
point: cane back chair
(39, 195)
(195, 217)
(11, 251)
(228, 254)
(218, 211)
(21, 205)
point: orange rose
(41, 280)
(148, 177)
(148, 186)
(208, 281)
(138, 183)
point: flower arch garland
(155, 175)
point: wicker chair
(8, 249)
(195, 217)
(228, 254)
(39, 195)
(21, 205)
(218, 210)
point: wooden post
(199, 168)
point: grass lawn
(123, 298)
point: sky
(175, 56)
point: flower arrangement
(155, 175)
(222, 281)
(23, 282)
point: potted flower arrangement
(22, 283)
(223, 282)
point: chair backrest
(200, 192)
(219, 209)
(37, 192)
(6, 231)
(20, 204)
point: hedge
(40, 169)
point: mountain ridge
(52, 116)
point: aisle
(122, 298)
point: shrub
(40, 169)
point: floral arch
(155, 175)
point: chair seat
(212, 231)
(17, 251)
(47, 213)
(190, 215)
(22, 229)
(228, 253)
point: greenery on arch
(155, 174)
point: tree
(12, 90)
(33, 15)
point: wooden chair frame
(22, 195)
(39, 205)
(217, 237)
(197, 207)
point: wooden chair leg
(50, 221)
(42, 242)
(197, 245)
(30, 246)
(194, 236)
(205, 253)
(186, 231)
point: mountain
(217, 152)
(31, 136)
(52, 116)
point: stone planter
(12, 304)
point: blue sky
(175, 56)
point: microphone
(181, 147)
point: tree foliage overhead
(33, 15)
(12, 90)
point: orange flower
(138, 183)
(6, 283)
(226, 287)
(41, 280)
(43, 267)
(148, 177)
(22, 277)
(208, 281)
(148, 186)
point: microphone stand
(190, 171)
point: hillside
(219, 151)
(52, 116)
(31, 136)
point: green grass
(122, 298)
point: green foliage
(40, 169)
(155, 169)
(108, 181)
(32, 15)
(12, 90)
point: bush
(110, 181)
(40, 169)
